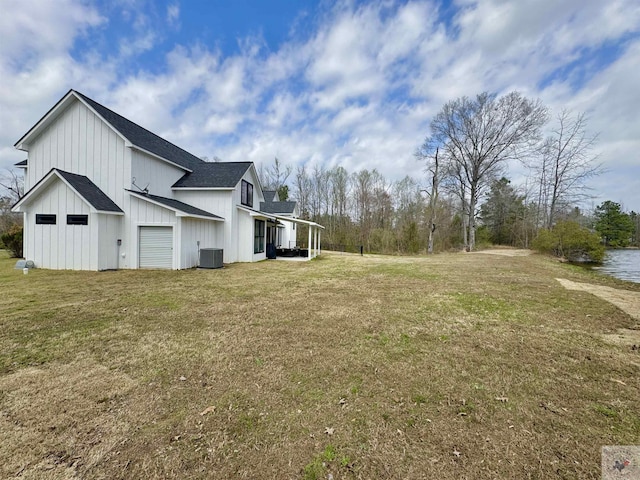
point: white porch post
(309, 244)
(319, 241)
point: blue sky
(325, 82)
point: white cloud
(173, 15)
(32, 29)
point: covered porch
(314, 238)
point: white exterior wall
(208, 233)
(218, 202)
(61, 246)
(143, 213)
(246, 226)
(245, 237)
(288, 234)
(154, 173)
(78, 141)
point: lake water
(622, 264)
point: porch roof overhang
(181, 209)
(257, 213)
(299, 221)
(272, 216)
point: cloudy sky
(324, 82)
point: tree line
(461, 195)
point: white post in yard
(319, 241)
(309, 244)
(316, 242)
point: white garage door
(156, 247)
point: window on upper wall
(45, 219)
(258, 237)
(246, 194)
(77, 219)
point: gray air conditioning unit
(210, 258)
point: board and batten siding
(245, 236)
(193, 230)
(245, 239)
(218, 202)
(156, 175)
(61, 246)
(80, 142)
(245, 224)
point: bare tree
(275, 176)
(454, 184)
(11, 190)
(409, 210)
(302, 187)
(480, 135)
(564, 165)
(382, 207)
(363, 201)
(339, 179)
(338, 199)
(433, 199)
(11, 185)
(433, 170)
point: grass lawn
(449, 367)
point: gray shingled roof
(90, 192)
(269, 194)
(143, 138)
(177, 205)
(214, 175)
(277, 207)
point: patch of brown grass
(452, 366)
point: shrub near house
(12, 241)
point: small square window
(45, 219)
(77, 219)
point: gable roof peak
(141, 137)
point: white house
(283, 235)
(105, 193)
